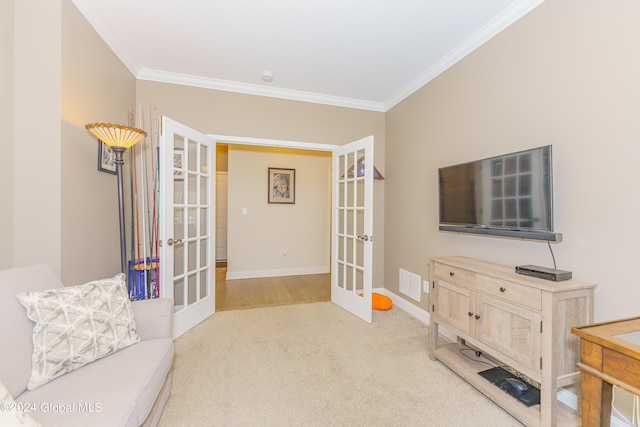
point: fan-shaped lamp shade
(116, 135)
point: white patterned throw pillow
(14, 414)
(76, 325)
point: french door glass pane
(192, 155)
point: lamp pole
(119, 161)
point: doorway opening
(246, 285)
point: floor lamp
(119, 138)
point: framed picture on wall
(106, 158)
(282, 186)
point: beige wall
(6, 133)
(36, 200)
(95, 88)
(278, 239)
(60, 75)
(567, 75)
(226, 113)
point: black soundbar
(516, 234)
(543, 272)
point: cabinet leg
(433, 339)
(548, 403)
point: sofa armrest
(154, 318)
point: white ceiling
(366, 54)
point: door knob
(171, 242)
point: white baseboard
(253, 274)
(569, 399)
(405, 305)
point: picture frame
(106, 158)
(282, 186)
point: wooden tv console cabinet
(517, 321)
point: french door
(187, 223)
(352, 227)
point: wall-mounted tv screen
(509, 195)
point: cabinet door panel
(509, 329)
(454, 303)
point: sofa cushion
(118, 390)
(16, 329)
(14, 414)
(76, 325)
(154, 318)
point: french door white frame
(190, 240)
(352, 228)
(187, 318)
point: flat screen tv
(509, 195)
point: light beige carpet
(317, 365)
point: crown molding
(477, 39)
(251, 89)
(495, 26)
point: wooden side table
(609, 355)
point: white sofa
(127, 388)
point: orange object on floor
(380, 302)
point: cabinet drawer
(454, 274)
(509, 291)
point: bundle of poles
(144, 257)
